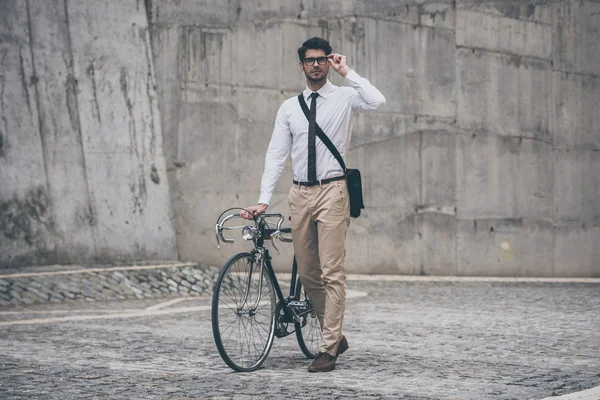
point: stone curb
(75, 283)
(107, 283)
(590, 394)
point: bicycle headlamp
(249, 232)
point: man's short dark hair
(315, 43)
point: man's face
(315, 72)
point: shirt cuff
(265, 198)
(353, 76)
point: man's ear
(301, 65)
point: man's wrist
(344, 70)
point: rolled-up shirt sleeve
(367, 97)
(277, 153)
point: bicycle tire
(234, 321)
(308, 331)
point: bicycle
(248, 307)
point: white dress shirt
(334, 115)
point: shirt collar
(323, 92)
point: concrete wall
(485, 160)
(82, 170)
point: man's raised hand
(338, 63)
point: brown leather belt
(321, 182)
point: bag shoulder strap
(322, 134)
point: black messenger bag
(353, 179)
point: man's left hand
(338, 63)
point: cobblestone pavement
(56, 284)
(408, 340)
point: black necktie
(312, 151)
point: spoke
(238, 286)
(263, 342)
(264, 314)
(240, 341)
(252, 330)
(228, 337)
(247, 336)
(236, 277)
(244, 341)
(227, 304)
(245, 279)
(267, 331)
(261, 308)
(227, 290)
(222, 331)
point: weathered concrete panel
(577, 37)
(437, 208)
(25, 214)
(532, 10)
(577, 195)
(438, 244)
(508, 35)
(390, 181)
(576, 185)
(435, 13)
(267, 69)
(504, 94)
(383, 241)
(577, 251)
(380, 126)
(505, 247)
(216, 13)
(438, 171)
(576, 116)
(223, 137)
(121, 131)
(59, 118)
(410, 75)
(502, 177)
(207, 55)
(112, 69)
(225, 134)
(130, 226)
(417, 173)
(195, 12)
(210, 55)
(197, 240)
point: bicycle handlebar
(271, 233)
(285, 230)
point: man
(318, 199)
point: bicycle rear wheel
(308, 330)
(243, 313)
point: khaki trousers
(320, 220)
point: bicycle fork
(260, 283)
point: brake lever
(217, 236)
(273, 243)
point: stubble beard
(314, 80)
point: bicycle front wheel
(243, 313)
(308, 330)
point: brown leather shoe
(342, 347)
(325, 362)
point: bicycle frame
(268, 267)
(261, 232)
(295, 309)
